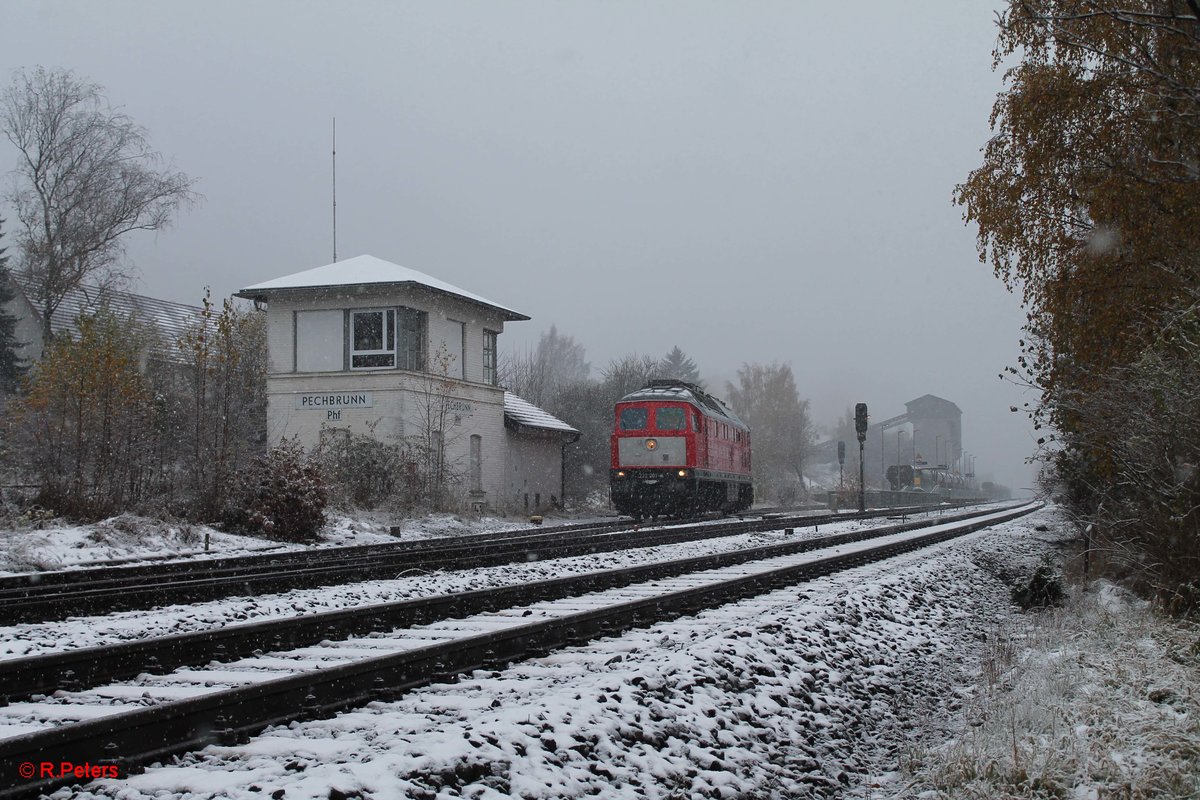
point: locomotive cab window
(633, 419)
(670, 419)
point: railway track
(57, 595)
(398, 646)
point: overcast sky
(751, 181)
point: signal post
(860, 428)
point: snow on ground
(41, 637)
(129, 539)
(53, 544)
(813, 691)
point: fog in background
(765, 181)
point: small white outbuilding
(378, 349)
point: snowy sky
(752, 182)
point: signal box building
(378, 349)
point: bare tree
(588, 405)
(437, 412)
(767, 400)
(539, 377)
(86, 177)
(627, 374)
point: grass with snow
(1097, 699)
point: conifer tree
(677, 364)
(11, 367)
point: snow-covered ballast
(535, 454)
(382, 350)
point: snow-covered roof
(670, 389)
(524, 413)
(172, 319)
(366, 271)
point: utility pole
(841, 466)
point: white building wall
(534, 471)
(395, 395)
(27, 331)
(281, 332)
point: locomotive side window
(633, 419)
(670, 419)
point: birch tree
(86, 177)
(85, 422)
(1086, 203)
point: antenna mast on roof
(335, 190)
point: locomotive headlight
(683, 473)
(651, 444)
(620, 473)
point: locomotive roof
(685, 392)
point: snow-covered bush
(215, 393)
(363, 471)
(1129, 471)
(280, 495)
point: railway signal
(860, 427)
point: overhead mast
(335, 190)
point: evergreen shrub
(1043, 589)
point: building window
(373, 339)
(411, 347)
(476, 463)
(489, 358)
(319, 337)
(456, 350)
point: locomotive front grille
(652, 451)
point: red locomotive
(677, 450)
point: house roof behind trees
(172, 319)
(366, 271)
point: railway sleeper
(188, 724)
(107, 592)
(129, 659)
